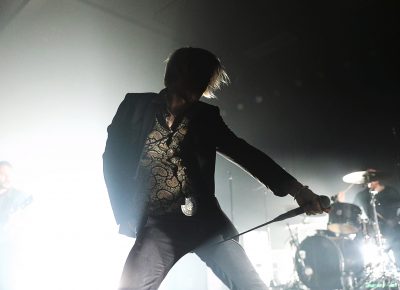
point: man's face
(5, 177)
(184, 98)
(185, 94)
(373, 185)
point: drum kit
(349, 254)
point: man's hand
(341, 196)
(310, 202)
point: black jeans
(162, 242)
(393, 242)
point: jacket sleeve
(254, 161)
(117, 165)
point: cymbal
(363, 177)
(357, 177)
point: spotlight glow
(65, 240)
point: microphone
(324, 202)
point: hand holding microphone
(309, 202)
(312, 203)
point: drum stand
(382, 275)
(295, 283)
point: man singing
(159, 164)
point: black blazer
(126, 136)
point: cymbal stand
(382, 274)
(377, 229)
(295, 283)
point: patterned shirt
(162, 171)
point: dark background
(314, 84)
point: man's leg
(5, 264)
(231, 264)
(149, 261)
(395, 245)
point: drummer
(387, 207)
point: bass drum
(321, 261)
